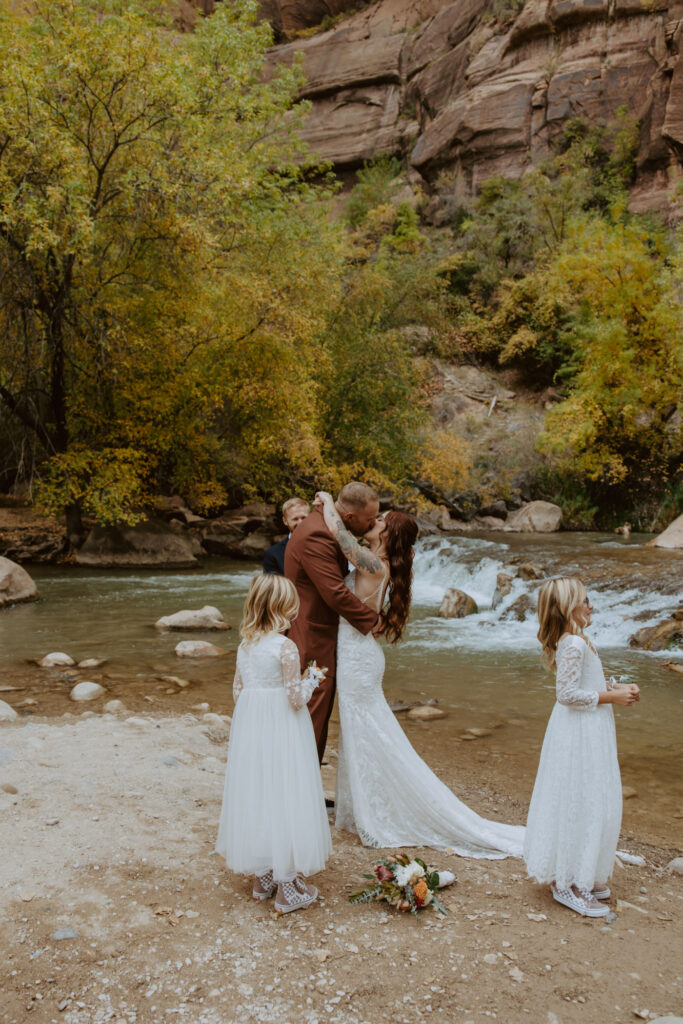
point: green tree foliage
(163, 258)
(375, 408)
(618, 427)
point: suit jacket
(316, 566)
(274, 558)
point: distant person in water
(294, 511)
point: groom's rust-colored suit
(316, 566)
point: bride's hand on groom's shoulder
(321, 499)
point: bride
(385, 791)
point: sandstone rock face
(460, 92)
(207, 617)
(15, 584)
(457, 604)
(536, 517)
(672, 537)
(150, 544)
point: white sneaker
(568, 898)
(601, 893)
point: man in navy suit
(294, 511)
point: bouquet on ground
(404, 883)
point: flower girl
(575, 812)
(273, 821)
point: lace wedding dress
(575, 811)
(385, 791)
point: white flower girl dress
(575, 812)
(273, 814)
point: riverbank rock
(7, 712)
(92, 663)
(87, 691)
(675, 866)
(57, 659)
(151, 544)
(457, 604)
(207, 617)
(26, 536)
(426, 714)
(536, 517)
(672, 537)
(659, 637)
(15, 584)
(114, 707)
(198, 649)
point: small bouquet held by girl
(404, 883)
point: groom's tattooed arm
(359, 556)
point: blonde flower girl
(273, 822)
(575, 811)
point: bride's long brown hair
(399, 538)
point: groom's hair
(357, 495)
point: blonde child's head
(557, 599)
(272, 603)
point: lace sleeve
(570, 655)
(299, 688)
(237, 684)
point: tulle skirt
(575, 812)
(273, 813)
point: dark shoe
(329, 803)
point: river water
(484, 669)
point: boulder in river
(531, 571)
(503, 588)
(198, 649)
(659, 637)
(457, 604)
(15, 584)
(151, 544)
(536, 517)
(207, 617)
(519, 608)
(87, 691)
(672, 537)
(57, 659)
(7, 712)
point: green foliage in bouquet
(407, 884)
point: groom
(316, 566)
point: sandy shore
(108, 841)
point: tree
(164, 257)
(618, 427)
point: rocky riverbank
(116, 909)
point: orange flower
(420, 892)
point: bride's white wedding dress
(385, 791)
